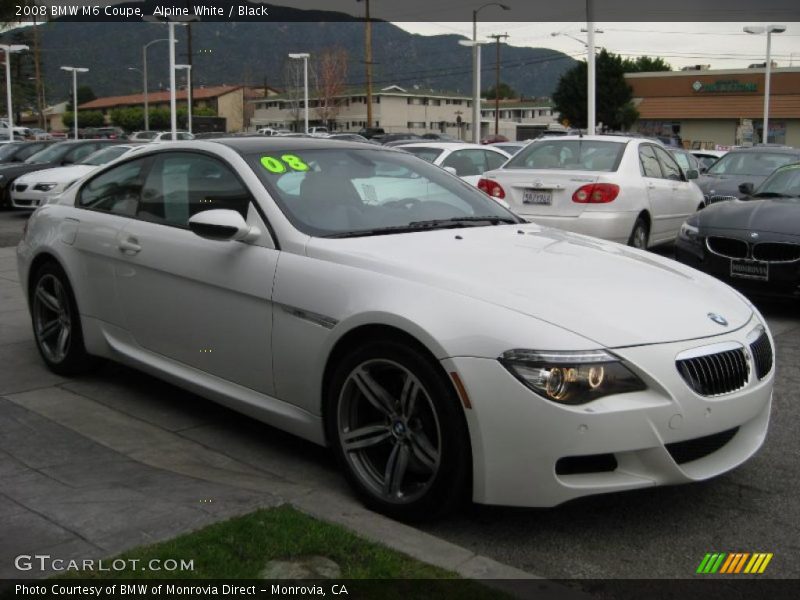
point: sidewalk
(97, 465)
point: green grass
(240, 548)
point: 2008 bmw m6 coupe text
(362, 298)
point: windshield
(783, 182)
(750, 163)
(106, 155)
(49, 154)
(572, 155)
(8, 150)
(426, 154)
(342, 191)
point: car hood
(611, 294)
(726, 185)
(766, 215)
(57, 175)
(11, 171)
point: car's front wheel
(398, 430)
(56, 323)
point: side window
(466, 162)
(494, 160)
(182, 184)
(649, 162)
(29, 151)
(79, 153)
(118, 190)
(669, 166)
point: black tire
(429, 441)
(54, 314)
(640, 234)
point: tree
(506, 91)
(646, 64)
(614, 104)
(330, 74)
(86, 118)
(293, 84)
(85, 94)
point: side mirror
(222, 225)
(692, 174)
(746, 188)
(451, 170)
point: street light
(758, 30)
(9, 49)
(75, 71)
(476, 85)
(591, 80)
(305, 56)
(144, 79)
(476, 66)
(189, 94)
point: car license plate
(531, 196)
(749, 269)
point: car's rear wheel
(56, 322)
(640, 234)
(398, 430)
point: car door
(659, 192)
(684, 199)
(200, 302)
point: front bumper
(783, 282)
(518, 438)
(29, 199)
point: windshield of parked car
(427, 154)
(784, 182)
(751, 163)
(570, 155)
(344, 192)
(50, 154)
(8, 150)
(106, 155)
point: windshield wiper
(425, 226)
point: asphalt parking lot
(81, 458)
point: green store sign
(724, 86)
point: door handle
(650, 185)
(129, 246)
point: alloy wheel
(52, 318)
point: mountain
(255, 52)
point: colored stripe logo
(734, 563)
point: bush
(86, 118)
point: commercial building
(232, 102)
(394, 109)
(709, 108)
(520, 118)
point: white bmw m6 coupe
(359, 297)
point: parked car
(743, 165)
(102, 133)
(273, 131)
(38, 188)
(318, 130)
(494, 138)
(54, 155)
(166, 136)
(708, 157)
(40, 134)
(348, 137)
(468, 161)
(443, 348)
(627, 190)
(371, 132)
(439, 137)
(687, 161)
(752, 243)
(390, 139)
(19, 133)
(142, 136)
(16, 152)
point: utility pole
(496, 37)
(368, 59)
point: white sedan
(627, 190)
(39, 187)
(442, 347)
(468, 161)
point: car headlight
(571, 377)
(44, 187)
(689, 232)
